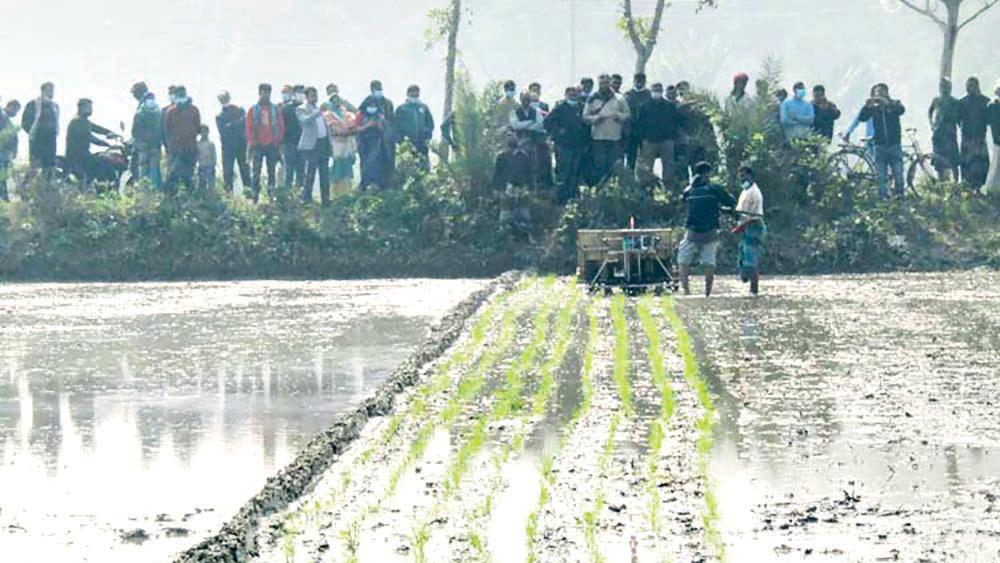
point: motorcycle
(110, 166)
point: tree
(644, 32)
(950, 22)
(444, 25)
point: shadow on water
(161, 406)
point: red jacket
(265, 125)
(180, 126)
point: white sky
(98, 49)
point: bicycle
(919, 164)
(856, 162)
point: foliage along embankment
(448, 222)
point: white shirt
(751, 203)
(321, 127)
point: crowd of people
(591, 135)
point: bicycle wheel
(853, 165)
(921, 170)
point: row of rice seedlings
(469, 386)
(654, 353)
(416, 409)
(622, 354)
(509, 403)
(587, 392)
(590, 516)
(563, 334)
(509, 400)
(621, 369)
(705, 426)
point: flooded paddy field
(833, 419)
(136, 418)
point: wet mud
(858, 416)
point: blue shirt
(797, 118)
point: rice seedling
(705, 426)
(622, 365)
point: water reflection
(880, 386)
(120, 404)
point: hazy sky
(99, 48)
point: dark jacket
(974, 109)
(147, 127)
(636, 99)
(48, 121)
(566, 126)
(415, 122)
(180, 128)
(232, 124)
(946, 115)
(993, 116)
(826, 115)
(658, 121)
(885, 118)
(79, 137)
(293, 130)
(704, 200)
(514, 167)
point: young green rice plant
(420, 536)
(622, 353)
(705, 425)
(468, 386)
(656, 431)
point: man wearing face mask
(506, 105)
(415, 123)
(637, 97)
(232, 125)
(535, 91)
(80, 135)
(586, 88)
(945, 115)
(750, 209)
(528, 125)
(147, 134)
(181, 124)
(265, 130)
(658, 126)
(606, 113)
(375, 145)
(797, 114)
(975, 154)
(291, 163)
(571, 136)
(314, 148)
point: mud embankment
(236, 541)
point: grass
(705, 426)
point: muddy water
(163, 407)
(858, 416)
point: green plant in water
(705, 425)
(621, 354)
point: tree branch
(654, 30)
(987, 4)
(633, 34)
(926, 10)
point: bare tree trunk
(643, 45)
(454, 19)
(950, 29)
